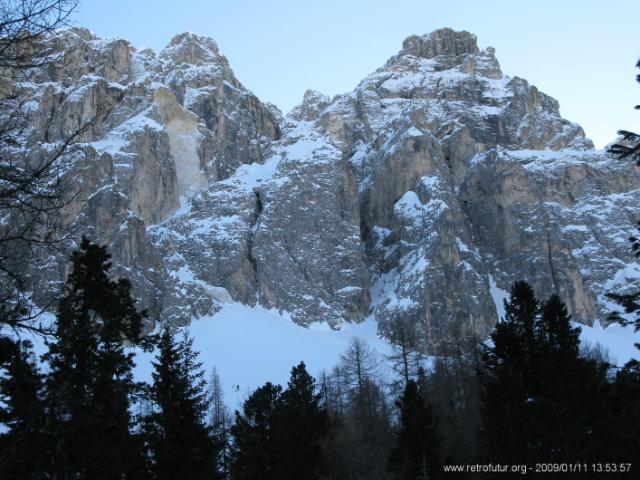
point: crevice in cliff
(252, 259)
(550, 260)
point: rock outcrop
(149, 132)
(421, 195)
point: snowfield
(252, 345)
(618, 341)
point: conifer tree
(280, 434)
(540, 399)
(629, 147)
(624, 417)
(507, 380)
(180, 441)
(23, 446)
(556, 332)
(301, 425)
(570, 396)
(255, 452)
(90, 381)
(618, 433)
(416, 455)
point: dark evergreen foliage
(23, 451)
(90, 384)
(301, 426)
(619, 432)
(619, 426)
(630, 302)
(537, 399)
(280, 434)
(629, 147)
(571, 394)
(541, 399)
(508, 378)
(416, 455)
(254, 436)
(180, 441)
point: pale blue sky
(581, 52)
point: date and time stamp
(541, 468)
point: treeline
(527, 396)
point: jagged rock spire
(445, 41)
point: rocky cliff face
(421, 195)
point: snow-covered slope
(252, 345)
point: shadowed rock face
(423, 194)
(161, 128)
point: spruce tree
(541, 399)
(301, 426)
(90, 384)
(23, 448)
(557, 335)
(280, 434)
(508, 379)
(570, 395)
(618, 433)
(255, 454)
(180, 441)
(416, 455)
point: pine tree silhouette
(541, 399)
(255, 449)
(301, 425)
(90, 382)
(23, 452)
(416, 455)
(180, 441)
(279, 435)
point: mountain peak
(444, 41)
(191, 48)
(313, 102)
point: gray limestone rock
(440, 42)
(423, 194)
